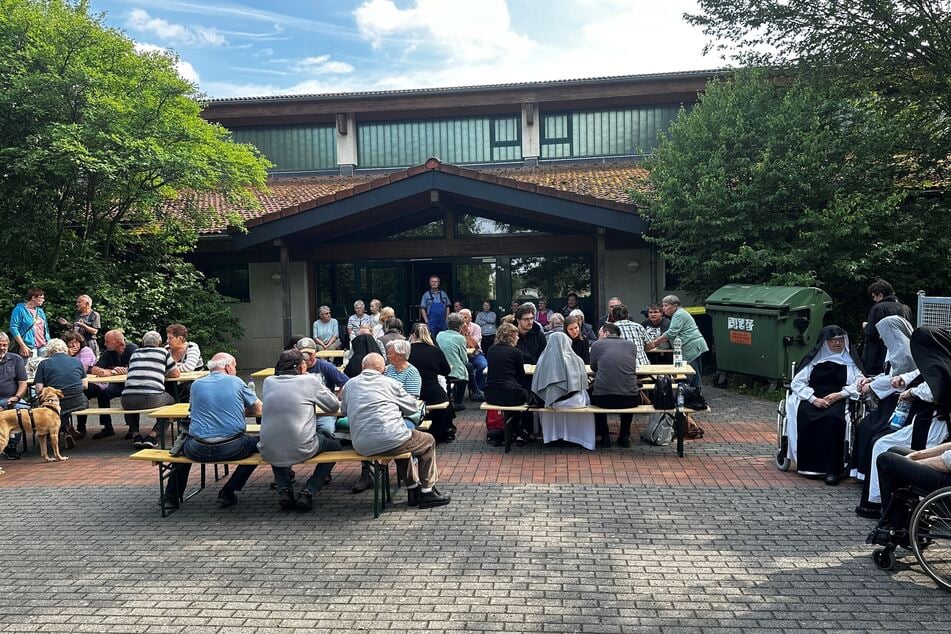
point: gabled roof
(602, 185)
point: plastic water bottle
(251, 385)
(680, 396)
(900, 415)
(678, 353)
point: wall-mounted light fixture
(276, 278)
(633, 267)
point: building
(504, 192)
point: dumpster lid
(760, 296)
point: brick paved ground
(545, 539)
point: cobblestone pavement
(544, 539)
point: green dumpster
(762, 330)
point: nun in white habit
(561, 381)
(816, 411)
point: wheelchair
(927, 533)
(856, 410)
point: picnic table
(642, 370)
(184, 377)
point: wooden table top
(184, 377)
(642, 370)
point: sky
(241, 48)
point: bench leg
(165, 471)
(387, 494)
(506, 416)
(375, 472)
(680, 424)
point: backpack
(662, 396)
(659, 430)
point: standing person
(326, 330)
(473, 334)
(13, 388)
(457, 306)
(114, 361)
(606, 317)
(220, 401)
(614, 361)
(87, 323)
(29, 326)
(885, 304)
(144, 388)
(376, 407)
(684, 327)
(571, 305)
(487, 320)
(434, 307)
(289, 430)
(359, 319)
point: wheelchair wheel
(781, 456)
(930, 536)
(884, 558)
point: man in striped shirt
(144, 388)
(632, 331)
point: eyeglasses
(527, 319)
(839, 339)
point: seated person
(327, 373)
(66, 374)
(925, 471)
(544, 314)
(326, 330)
(614, 361)
(631, 331)
(453, 345)
(379, 325)
(149, 367)
(219, 403)
(656, 324)
(376, 313)
(76, 348)
(376, 407)
(114, 361)
(426, 357)
(477, 363)
(488, 322)
(926, 389)
(557, 324)
(579, 344)
(289, 430)
(13, 386)
(186, 354)
(506, 380)
(392, 331)
(895, 332)
(561, 382)
(358, 319)
(586, 330)
(361, 345)
(531, 337)
(399, 368)
(816, 408)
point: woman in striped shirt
(399, 368)
(144, 388)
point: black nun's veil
(931, 350)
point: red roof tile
(604, 184)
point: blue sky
(233, 48)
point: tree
(775, 182)
(101, 149)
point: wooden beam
(439, 248)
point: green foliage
(782, 182)
(100, 148)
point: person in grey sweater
(375, 406)
(289, 432)
(614, 361)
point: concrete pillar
(531, 136)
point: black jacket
(532, 343)
(873, 355)
(431, 363)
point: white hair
(673, 300)
(577, 312)
(359, 303)
(221, 361)
(400, 347)
(151, 339)
(56, 346)
(86, 298)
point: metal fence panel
(934, 311)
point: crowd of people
(904, 380)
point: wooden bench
(679, 416)
(379, 470)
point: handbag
(693, 398)
(662, 396)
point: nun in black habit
(816, 411)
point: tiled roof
(602, 184)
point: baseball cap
(306, 345)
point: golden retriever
(45, 418)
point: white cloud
(322, 65)
(185, 70)
(473, 31)
(140, 20)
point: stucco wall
(632, 286)
(261, 318)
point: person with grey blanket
(289, 432)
